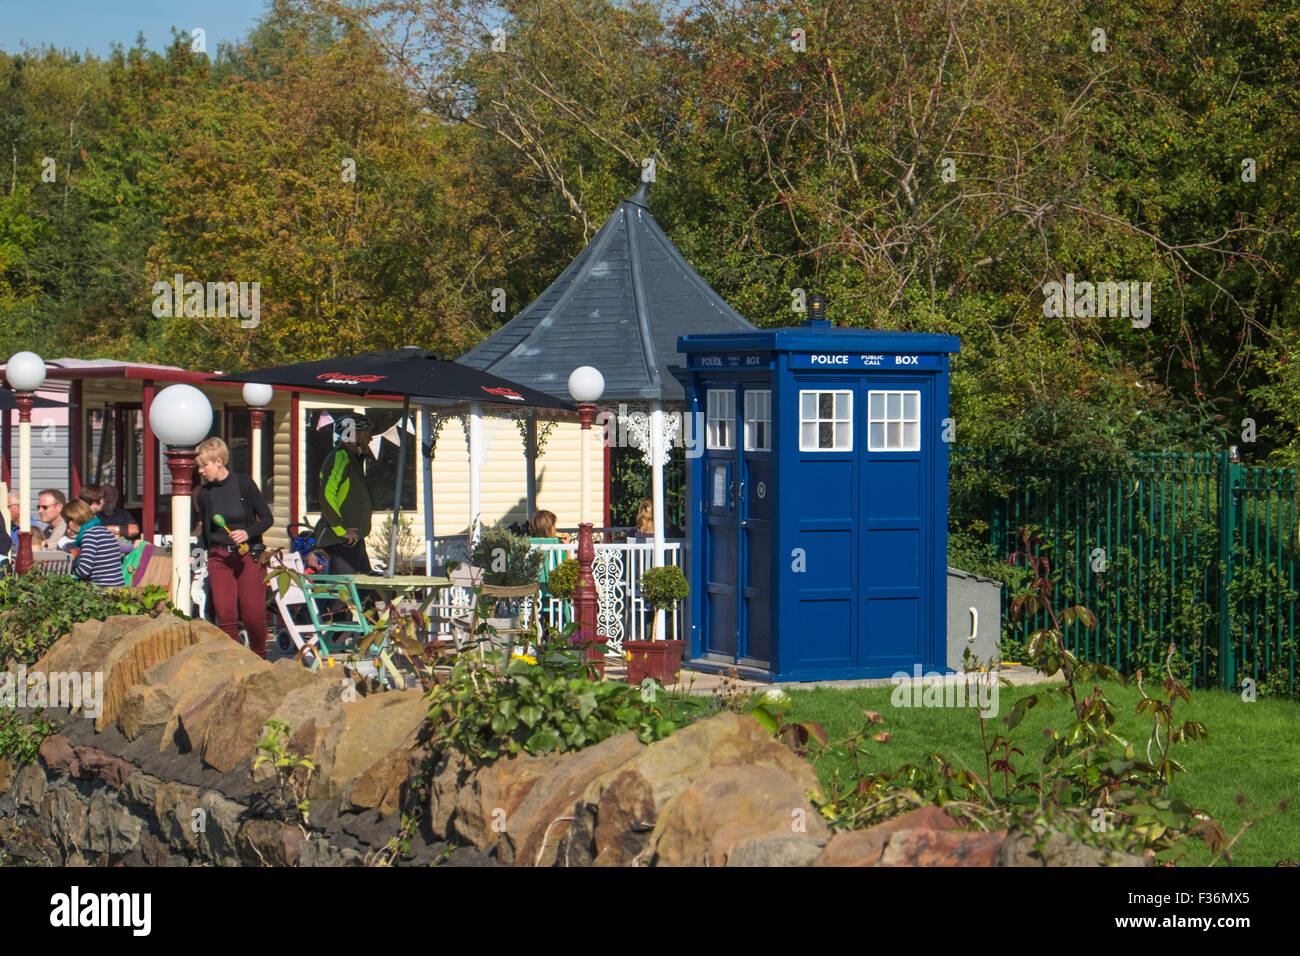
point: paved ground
(698, 682)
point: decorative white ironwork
(544, 428)
(607, 569)
(491, 425)
(617, 569)
(199, 579)
(635, 424)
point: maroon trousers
(239, 591)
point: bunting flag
(410, 426)
(376, 443)
(325, 419)
(391, 435)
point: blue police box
(819, 501)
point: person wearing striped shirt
(97, 557)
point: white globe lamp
(25, 372)
(181, 417)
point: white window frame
(758, 410)
(719, 413)
(902, 420)
(832, 421)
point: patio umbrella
(7, 403)
(412, 373)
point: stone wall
(165, 777)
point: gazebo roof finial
(639, 197)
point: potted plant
(661, 589)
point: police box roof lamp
(817, 311)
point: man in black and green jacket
(345, 499)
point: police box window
(893, 421)
(721, 418)
(825, 420)
(758, 420)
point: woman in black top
(237, 582)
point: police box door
(737, 501)
(896, 540)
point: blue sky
(95, 25)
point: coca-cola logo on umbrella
(503, 392)
(342, 378)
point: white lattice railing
(617, 568)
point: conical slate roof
(620, 306)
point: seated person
(116, 519)
(645, 521)
(541, 529)
(49, 508)
(96, 556)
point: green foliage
(506, 559)
(663, 587)
(1088, 780)
(542, 705)
(563, 579)
(291, 780)
(37, 609)
(21, 735)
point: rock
(617, 812)
(174, 806)
(221, 834)
(787, 849)
(310, 711)
(864, 847)
(244, 709)
(155, 851)
(537, 828)
(943, 848)
(151, 702)
(321, 853)
(450, 774)
(468, 856)
(200, 701)
(111, 827)
(1059, 849)
(123, 648)
(29, 788)
(63, 810)
(486, 805)
(385, 783)
(96, 763)
(726, 806)
(59, 757)
(367, 732)
(269, 843)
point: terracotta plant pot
(661, 660)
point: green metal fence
(1192, 549)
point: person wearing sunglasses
(49, 509)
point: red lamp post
(586, 385)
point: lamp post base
(23, 559)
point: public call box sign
(853, 361)
(732, 360)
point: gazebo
(619, 306)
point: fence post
(1229, 483)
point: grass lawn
(1251, 750)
